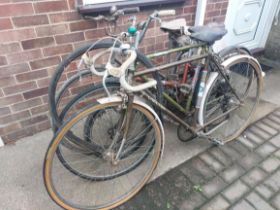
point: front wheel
(232, 111)
(73, 191)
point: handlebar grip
(131, 10)
(166, 12)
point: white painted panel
(87, 2)
(1, 142)
(248, 23)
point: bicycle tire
(237, 68)
(86, 189)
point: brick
(4, 101)
(202, 168)
(19, 134)
(14, 117)
(235, 191)
(69, 38)
(211, 162)
(246, 142)
(57, 50)
(275, 141)
(5, 24)
(273, 182)
(260, 133)
(274, 119)
(35, 93)
(253, 137)
(51, 61)
(264, 191)
(32, 20)
(5, 1)
(242, 205)
(39, 109)
(216, 203)
(43, 125)
(212, 13)
(230, 152)
(232, 173)
(271, 123)
(44, 82)
(189, 9)
(192, 202)
(24, 56)
(267, 128)
(3, 61)
(50, 6)
(9, 48)
(37, 43)
(258, 203)
(5, 81)
(31, 75)
(13, 69)
(213, 187)
(276, 201)
(52, 30)
(266, 149)
(191, 172)
(17, 35)
(33, 120)
(271, 164)
(72, 4)
(83, 25)
(19, 88)
(239, 147)
(9, 128)
(98, 33)
(250, 160)
(16, 9)
(64, 17)
(254, 177)
(4, 111)
(220, 156)
(26, 104)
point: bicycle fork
(123, 128)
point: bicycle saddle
(208, 34)
(173, 25)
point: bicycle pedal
(217, 141)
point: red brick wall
(34, 37)
(216, 11)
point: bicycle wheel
(74, 192)
(84, 98)
(68, 69)
(244, 76)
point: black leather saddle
(208, 34)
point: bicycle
(59, 98)
(215, 101)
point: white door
(248, 23)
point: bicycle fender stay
(138, 101)
(209, 83)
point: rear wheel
(244, 77)
(95, 190)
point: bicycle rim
(245, 79)
(73, 192)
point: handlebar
(114, 14)
(120, 71)
(131, 10)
